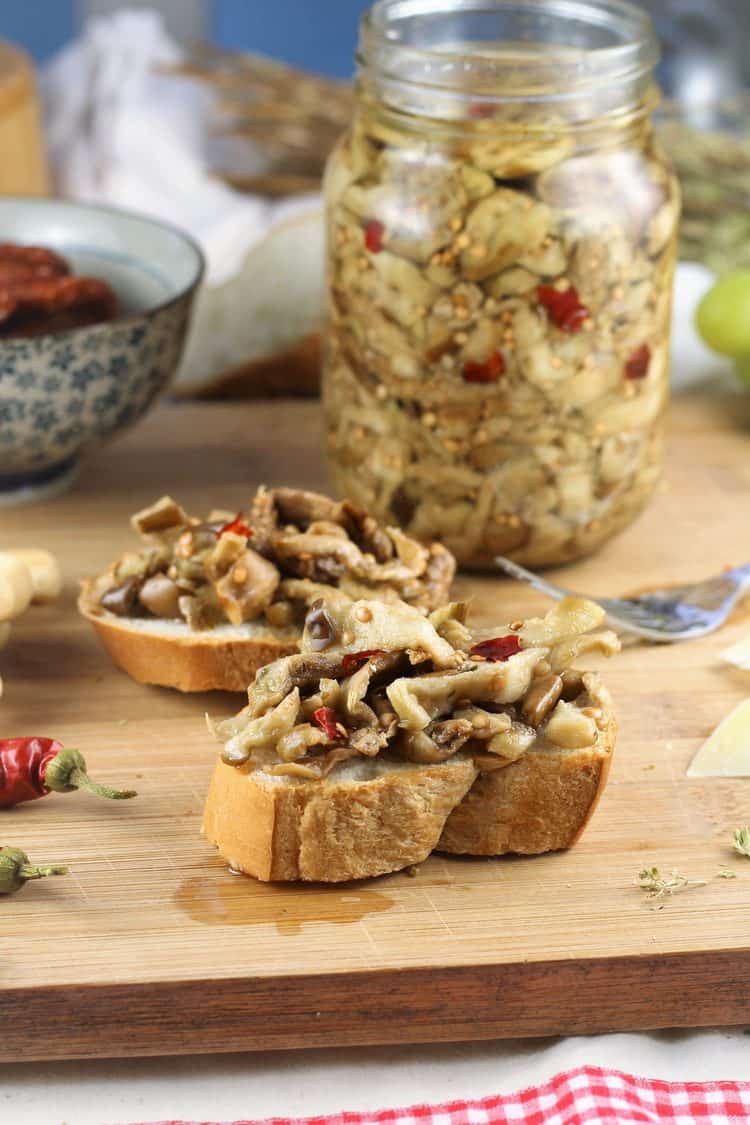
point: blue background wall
(319, 34)
(313, 33)
(41, 26)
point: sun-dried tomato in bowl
(39, 294)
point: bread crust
(540, 803)
(188, 662)
(332, 831)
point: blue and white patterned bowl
(63, 393)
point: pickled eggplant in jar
(501, 246)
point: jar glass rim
(585, 45)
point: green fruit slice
(723, 316)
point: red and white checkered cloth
(588, 1095)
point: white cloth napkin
(124, 133)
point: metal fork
(674, 614)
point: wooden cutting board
(151, 946)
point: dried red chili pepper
(638, 363)
(374, 232)
(353, 661)
(42, 304)
(16, 871)
(482, 109)
(51, 294)
(487, 372)
(33, 767)
(325, 718)
(237, 526)
(497, 649)
(19, 262)
(564, 307)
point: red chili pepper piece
(564, 307)
(33, 767)
(23, 765)
(325, 718)
(83, 300)
(638, 364)
(22, 263)
(374, 232)
(38, 294)
(487, 372)
(237, 526)
(498, 648)
(353, 661)
(482, 109)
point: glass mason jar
(501, 245)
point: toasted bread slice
(199, 609)
(476, 757)
(541, 803)
(367, 818)
(171, 654)
(372, 817)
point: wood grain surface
(151, 946)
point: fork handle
(742, 574)
(521, 574)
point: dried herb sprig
(741, 840)
(659, 887)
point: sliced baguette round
(373, 816)
(171, 654)
(541, 803)
(368, 817)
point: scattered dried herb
(741, 841)
(658, 887)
